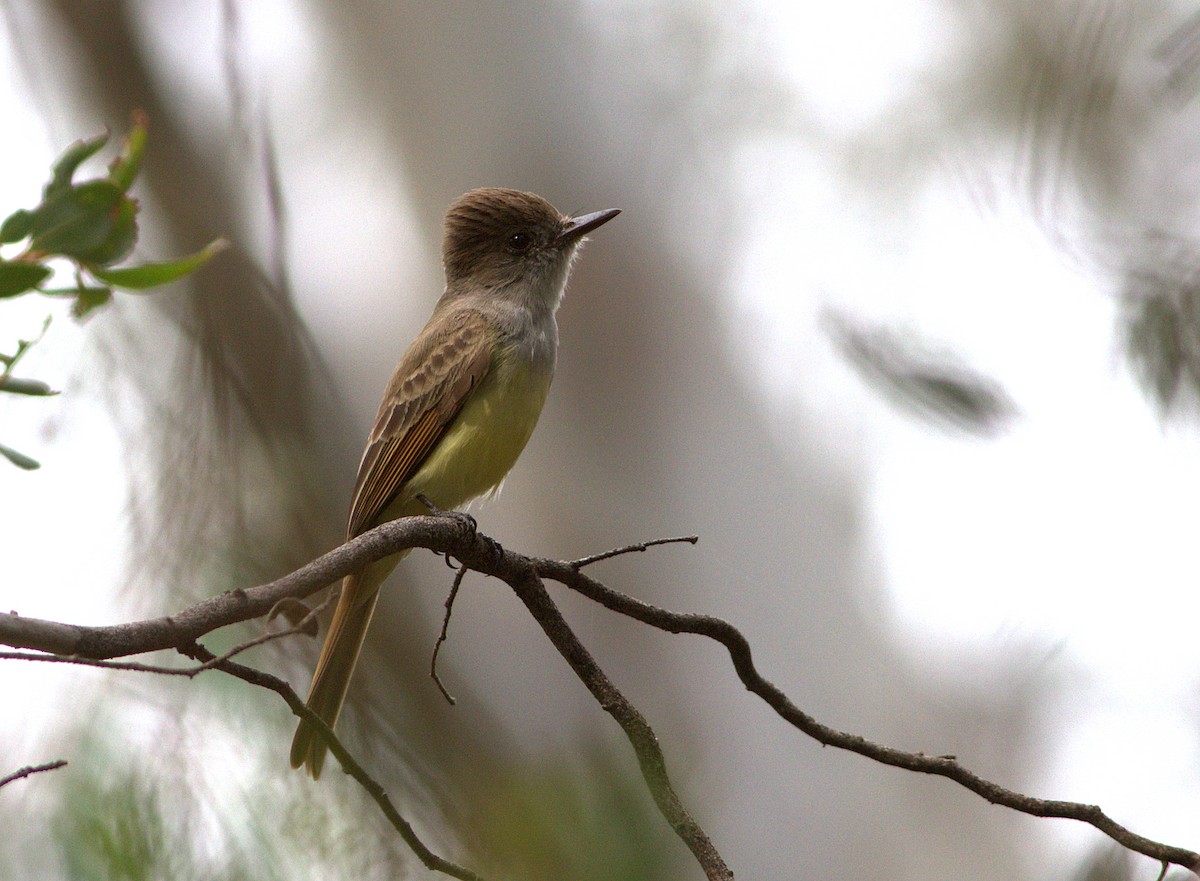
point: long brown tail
(339, 655)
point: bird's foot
(469, 524)
(461, 517)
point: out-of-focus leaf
(19, 459)
(115, 829)
(88, 300)
(120, 240)
(17, 386)
(16, 226)
(23, 346)
(555, 820)
(933, 385)
(1162, 324)
(67, 164)
(124, 169)
(78, 220)
(17, 278)
(150, 275)
(295, 612)
(1154, 338)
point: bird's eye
(519, 242)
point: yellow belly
(485, 439)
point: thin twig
(29, 770)
(640, 547)
(519, 573)
(945, 766)
(437, 646)
(102, 663)
(349, 764)
(300, 627)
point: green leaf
(70, 293)
(121, 238)
(76, 154)
(19, 459)
(23, 346)
(88, 300)
(16, 226)
(150, 275)
(35, 387)
(124, 169)
(78, 221)
(17, 278)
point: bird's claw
(461, 516)
(494, 550)
(463, 519)
(469, 524)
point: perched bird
(460, 405)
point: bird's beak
(578, 227)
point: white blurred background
(901, 317)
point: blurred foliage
(551, 821)
(21, 386)
(90, 225)
(165, 803)
(546, 818)
(934, 386)
(113, 832)
(205, 802)
(1162, 326)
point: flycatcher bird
(461, 404)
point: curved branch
(455, 536)
(523, 579)
(231, 607)
(349, 764)
(738, 646)
(30, 770)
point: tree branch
(456, 536)
(209, 661)
(32, 769)
(738, 646)
(305, 624)
(523, 579)
(231, 607)
(349, 764)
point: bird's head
(498, 239)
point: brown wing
(428, 388)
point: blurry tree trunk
(249, 381)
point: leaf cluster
(90, 225)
